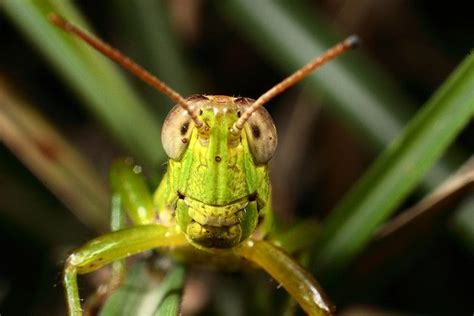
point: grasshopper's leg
(127, 182)
(119, 268)
(130, 195)
(296, 241)
(111, 247)
(295, 279)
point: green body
(213, 204)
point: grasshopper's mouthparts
(214, 237)
(219, 226)
(216, 226)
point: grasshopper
(215, 198)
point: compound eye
(176, 132)
(261, 135)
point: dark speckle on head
(184, 128)
(253, 196)
(184, 140)
(255, 131)
(218, 159)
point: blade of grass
(418, 215)
(57, 164)
(356, 89)
(126, 299)
(397, 171)
(94, 78)
(171, 291)
(415, 225)
(143, 295)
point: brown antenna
(126, 63)
(338, 49)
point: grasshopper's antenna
(126, 63)
(338, 49)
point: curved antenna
(338, 49)
(125, 62)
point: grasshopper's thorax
(217, 177)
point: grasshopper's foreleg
(130, 186)
(111, 247)
(130, 198)
(285, 270)
(119, 267)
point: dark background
(417, 43)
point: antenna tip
(352, 41)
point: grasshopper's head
(218, 147)
(219, 171)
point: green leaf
(397, 171)
(143, 295)
(355, 89)
(171, 291)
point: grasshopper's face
(219, 176)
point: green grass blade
(127, 299)
(94, 78)
(414, 227)
(171, 291)
(144, 295)
(397, 171)
(356, 89)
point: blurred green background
(331, 128)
